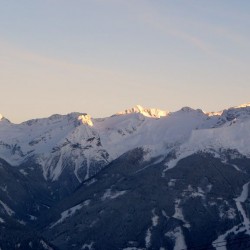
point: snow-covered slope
(231, 131)
(85, 145)
(125, 132)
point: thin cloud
(11, 56)
(151, 17)
(11, 53)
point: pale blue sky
(102, 56)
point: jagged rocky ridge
(71, 175)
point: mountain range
(140, 179)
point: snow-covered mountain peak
(86, 119)
(245, 105)
(3, 119)
(213, 113)
(148, 112)
(240, 113)
(188, 110)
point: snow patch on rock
(242, 227)
(155, 222)
(7, 209)
(178, 237)
(109, 194)
(69, 212)
(88, 246)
